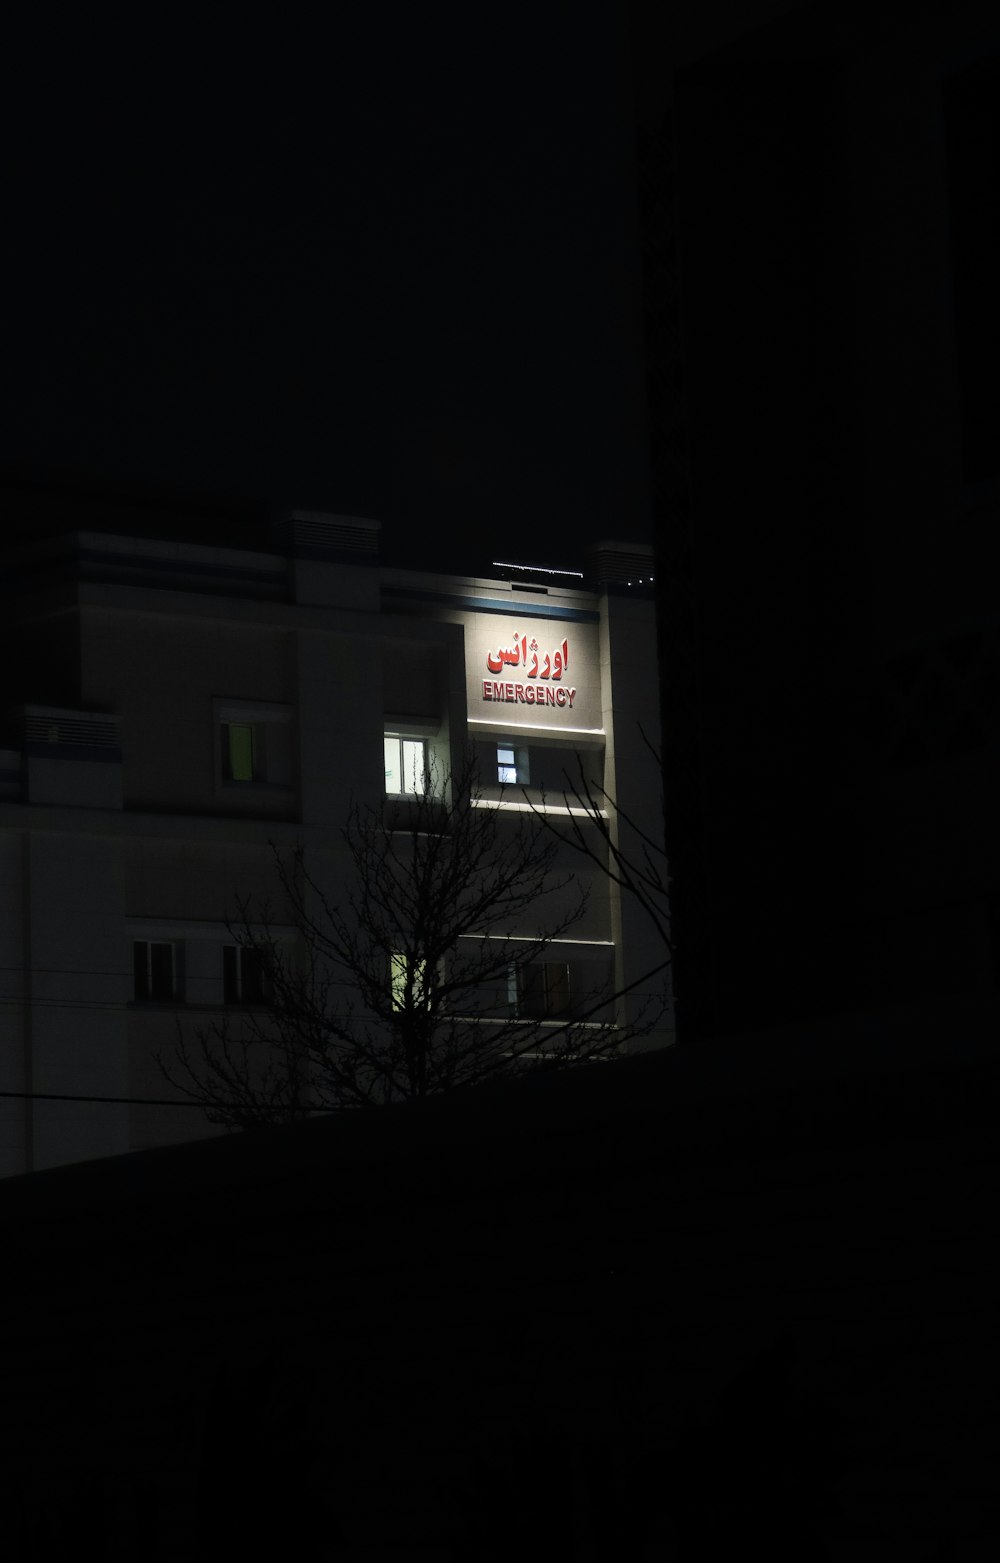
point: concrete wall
(161, 670)
(15, 1030)
(80, 976)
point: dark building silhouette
(821, 232)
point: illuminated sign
(546, 663)
(546, 673)
(554, 666)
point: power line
(118, 1101)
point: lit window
(543, 990)
(404, 973)
(244, 975)
(153, 967)
(405, 764)
(512, 766)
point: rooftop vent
(46, 727)
(316, 534)
(622, 564)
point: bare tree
(417, 975)
(596, 826)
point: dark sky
(382, 269)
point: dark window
(153, 970)
(543, 990)
(244, 975)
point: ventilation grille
(77, 730)
(315, 534)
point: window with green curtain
(240, 740)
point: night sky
(389, 270)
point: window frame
(516, 990)
(151, 996)
(268, 756)
(399, 970)
(258, 753)
(393, 735)
(234, 993)
(518, 765)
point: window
(406, 769)
(402, 971)
(154, 970)
(255, 744)
(541, 990)
(243, 752)
(244, 975)
(512, 766)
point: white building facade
(178, 710)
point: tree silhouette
(423, 970)
(600, 830)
